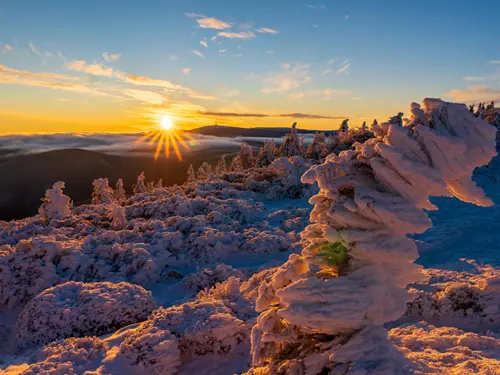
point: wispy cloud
(265, 30)
(34, 49)
(318, 6)
(222, 50)
(326, 93)
(494, 61)
(94, 68)
(473, 79)
(344, 69)
(475, 94)
(235, 35)
(38, 51)
(203, 43)
(198, 53)
(186, 71)
(8, 48)
(212, 23)
(110, 57)
(145, 96)
(263, 115)
(48, 80)
(289, 78)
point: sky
(120, 66)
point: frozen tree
(302, 147)
(220, 167)
(204, 171)
(265, 155)
(55, 205)
(317, 149)
(246, 156)
(375, 122)
(272, 147)
(364, 127)
(191, 177)
(351, 277)
(117, 215)
(103, 193)
(120, 194)
(344, 127)
(140, 186)
(291, 145)
(236, 164)
(159, 184)
(397, 120)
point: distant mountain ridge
(233, 131)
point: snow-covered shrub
(140, 186)
(76, 309)
(55, 205)
(70, 356)
(326, 307)
(192, 329)
(31, 266)
(103, 193)
(208, 277)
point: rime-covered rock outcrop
(324, 310)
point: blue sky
(356, 59)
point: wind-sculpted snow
(327, 306)
(70, 356)
(78, 310)
(208, 325)
(458, 299)
(446, 350)
(207, 278)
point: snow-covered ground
(172, 280)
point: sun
(166, 123)
(168, 137)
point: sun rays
(168, 139)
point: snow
(235, 272)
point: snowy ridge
(213, 253)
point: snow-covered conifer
(120, 194)
(246, 156)
(103, 193)
(344, 127)
(191, 177)
(140, 186)
(220, 167)
(317, 148)
(265, 155)
(117, 215)
(55, 205)
(236, 164)
(291, 145)
(351, 278)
